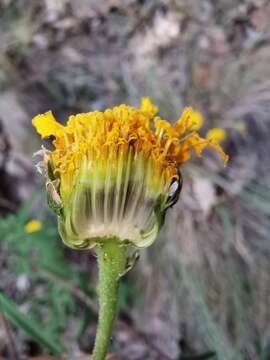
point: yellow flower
(33, 226)
(112, 173)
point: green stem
(112, 262)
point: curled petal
(216, 135)
(46, 125)
(148, 107)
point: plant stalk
(112, 263)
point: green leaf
(205, 356)
(31, 328)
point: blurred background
(203, 289)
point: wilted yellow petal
(219, 150)
(33, 226)
(216, 134)
(46, 125)
(148, 107)
(195, 121)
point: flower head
(115, 173)
(33, 226)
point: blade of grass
(255, 202)
(205, 356)
(13, 351)
(32, 329)
(215, 337)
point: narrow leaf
(23, 322)
(205, 356)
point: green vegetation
(51, 279)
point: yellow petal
(219, 150)
(33, 226)
(148, 107)
(46, 125)
(216, 135)
(181, 124)
(195, 121)
(189, 120)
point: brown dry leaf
(218, 43)
(260, 18)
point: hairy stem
(112, 263)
